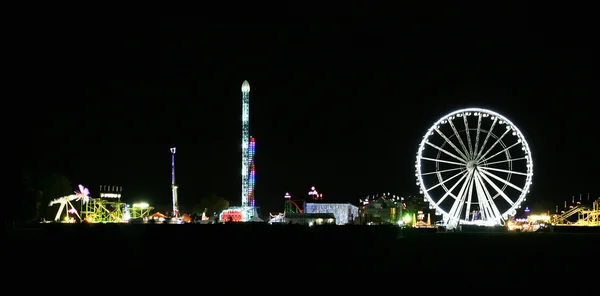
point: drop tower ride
(245, 141)
(173, 186)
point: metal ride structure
(292, 206)
(65, 202)
(139, 210)
(252, 169)
(245, 140)
(98, 210)
(173, 186)
(247, 209)
(586, 216)
(106, 209)
(480, 160)
(591, 215)
(279, 218)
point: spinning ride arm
(63, 201)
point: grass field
(384, 249)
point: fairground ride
(98, 210)
(138, 210)
(292, 206)
(474, 166)
(65, 203)
(586, 216)
(278, 218)
(381, 208)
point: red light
(232, 215)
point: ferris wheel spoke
(487, 137)
(504, 171)
(477, 134)
(498, 190)
(460, 141)
(449, 192)
(500, 152)
(460, 198)
(445, 151)
(470, 198)
(492, 209)
(450, 143)
(485, 173)
(444, 161)
(443, 182)
(506, 160)
(469, 144)
(482, 199)
(497, 214)
(442, 171)
(493, 145)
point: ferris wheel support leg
(451, 223)
(460, 199)
(496, 214)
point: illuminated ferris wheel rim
(499, 117)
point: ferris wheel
(474, 166)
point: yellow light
(142, 205)
(535, 218)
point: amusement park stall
(344, 212)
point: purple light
(83, 193)
(252, 175)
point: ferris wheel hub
(472, 164)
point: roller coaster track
(297, 207)
(562, 219)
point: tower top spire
(245, 86)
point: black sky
(339, 101)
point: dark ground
(296, 249)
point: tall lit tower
(245, 140)
(252, 169)
(173, 186)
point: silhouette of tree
(23, 205)
(211, 203)
(415, 204)
(48, 188)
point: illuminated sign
(110, 191)
(110, 195)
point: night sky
(339, 101)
